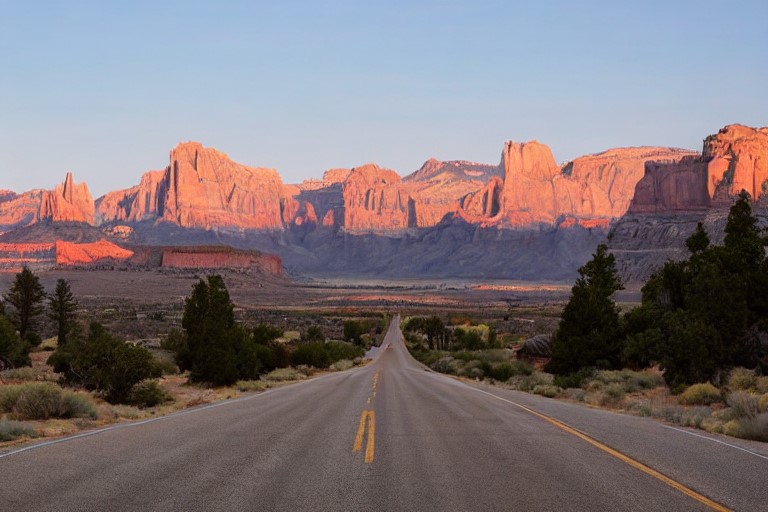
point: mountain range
(526, 218)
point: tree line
(698, 317)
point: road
(388, 436)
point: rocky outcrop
(737, 159)
(594, 187)
(374, 201)
(68, 202)
(220, 258)
(669, 187)
(68, 253)
(201, 188)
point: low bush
(44, 400)
(742, 379)
(574, 380)
(762, 403)
(762, 384)
(245, 386)
(700, 394)
(631, 381)
(447, 365)
(10, 430)
(283, 374)
(344, 364)
(743, 404)
(147, 393)
(546, 390)
(754, 428)
(24, 374)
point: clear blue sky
(106, 88)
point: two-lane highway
(389, 436)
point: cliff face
(589, 191)
(201, 188)
(68, 202)
(737, 160)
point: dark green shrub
(13, 350)
(311, 354)
(354, 330)
(313, 334)
(104, 363)
(147, 393)
(338, 351)
(575, 379)
(265, 334)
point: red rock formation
(668, 187)
(201, 188)
(68, 202)
(68, 253)
(738, 160)
(373, 201)
(219, 258)
(597, 186)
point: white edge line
(756, 454)
(737, 447)
(166, 417)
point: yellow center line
(371, 435)
(370, 416)
(624, 458)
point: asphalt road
(389, 436)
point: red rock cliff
(201, 188)
(738, 160)
(68, 202)
(537, 191)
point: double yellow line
(367, 419)
(369, 447)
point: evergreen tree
(699, 241)
(13, 350)
(26, 296)
(588, 334)
(62, 306)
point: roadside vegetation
(694, 353)
(82, 375)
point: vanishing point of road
(388, 436)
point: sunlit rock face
(68, 202)
(201, 188)
(737, 159)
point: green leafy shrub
(44, 400)
(104, 363)
(546, 390)
(700, 394)
(574, 379)
(742, 379)
(147, 393)
(10, 430)
(338, 350)
(311, 354)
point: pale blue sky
(106, 88)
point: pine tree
(589, 334)
(62, 306)
(26, 296)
